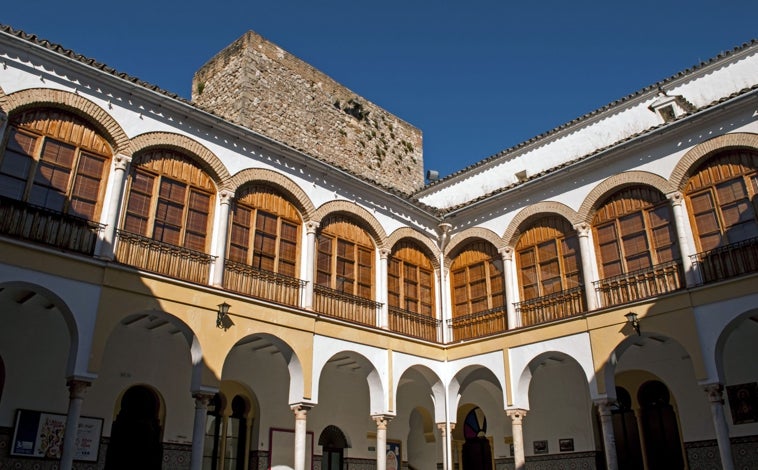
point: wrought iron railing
(40, 225)
(245, 279)
(345, 306)
(413, 324)
(642, 284)
(476, 325)
(728, 261)
(551, 307)
(163, 258)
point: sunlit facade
(188, 294)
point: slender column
(76, 391)
(641, 434)
(221, 231)
(445, 432)
(310, 249)
(300, 410)
(382, 286)
(446, 311)
(609, 439)
(510, 293)
(517, 418)
(198, 429)
(106, 243)
(588, 256)
(690, 274)
(715, 392)
(381, 441)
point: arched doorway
(333, 444)
(659, 426)
(477, 450)
(226, 435)
(628, 449)
(136, 433)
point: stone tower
(258, 85)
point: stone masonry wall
(256, 84)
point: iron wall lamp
(223, 310)
(631, 318)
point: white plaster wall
(561, 408)
(34, 346)
(486, 396)
(265, 373)
(158, 359)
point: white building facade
(189, 294)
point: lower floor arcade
(140, 366)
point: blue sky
(476, 77)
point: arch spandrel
(529, 214)
(698, 154)
(207, 160)
(617, 182)
(431, 379)
(71, 102)
(294, 193)
(357, 212)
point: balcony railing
(37, 224)
(163, 258)
(642, 284)
(551, 307)
(247, 280)
(413, 324)
(345, 306)
(728, 261)
(476, 325)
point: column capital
(604, 406)
(715, 392)
(384, 253)
(676, 198)
(311, 227)
(225, 196)
(77, 387)
(517, 415)
(121, 161)
(382, 421)
(301, 410)
(582, 229)
(202, 399)
(506, 252)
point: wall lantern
(223, 310)
(631, 318)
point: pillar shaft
(310, 249)
(381, 441)
(510, 288)
(588, 256)
(198, 429)
(609, 439)
(690, 275)
(77, 389)
(106, 243)
(715, 392)
(517, 417)
(221, 230)
(301, 412)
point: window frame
(489, 276)
(351, 261)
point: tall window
(265, 230)
(548, 258)
(345, 258)
(169, 200)
(55, 160)
(634, 230)
(722, 198)
(477, 275)
(410, 280)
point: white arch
(487, 367)
(375, 359)
(524, 359)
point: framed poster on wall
(40, 434)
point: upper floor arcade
(170, 207)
